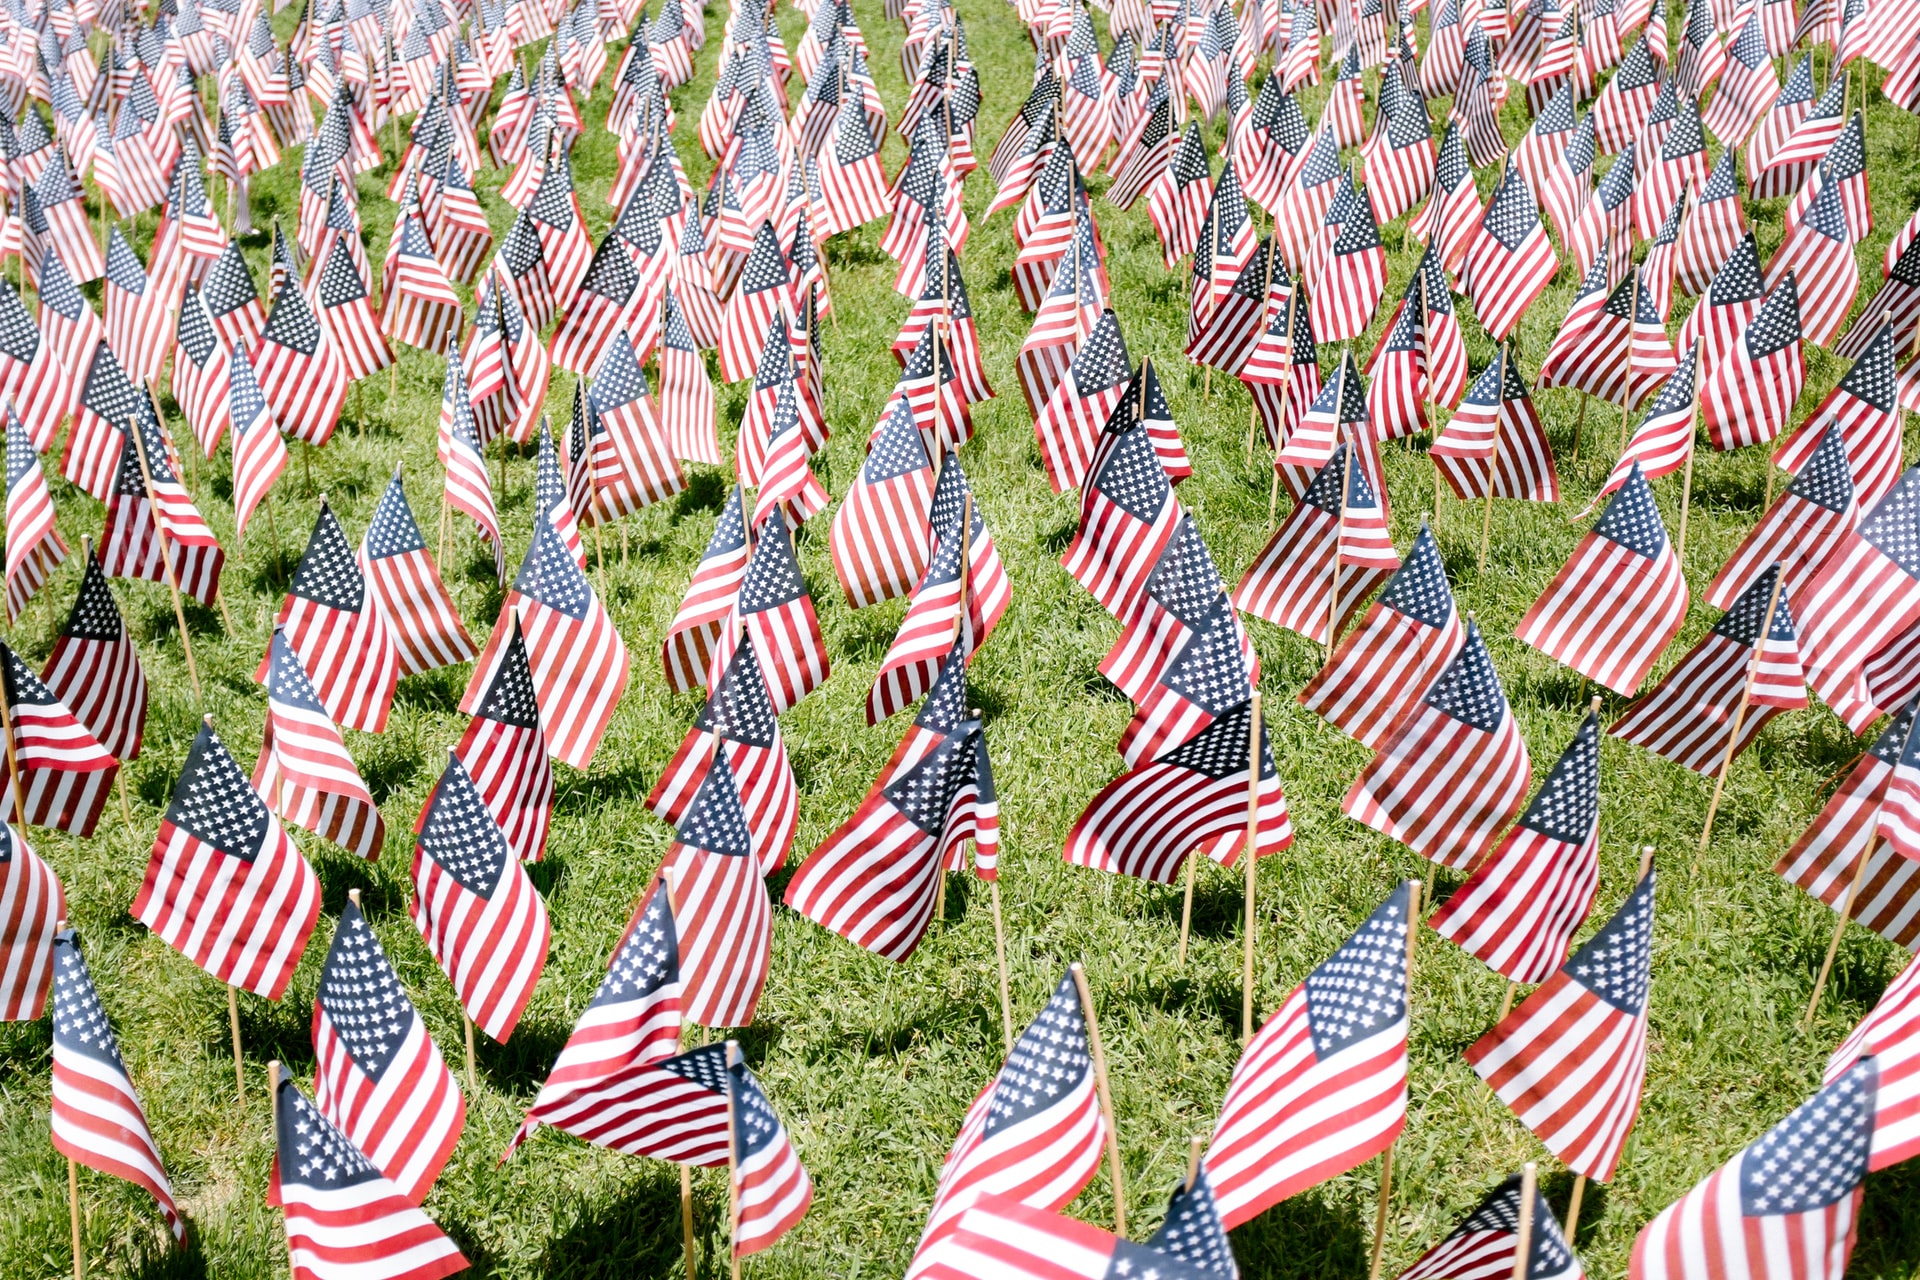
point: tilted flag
(1510, 262)
(686, 392)
(63, 774)
(1663, 442)
(505, 753)
(721, 906)
(1748, 395)
(696, 629)
(999, 1238)
(1713, 227)
(34, 545)
(32, 376)
(1487, 1241)
(407, 588)
(466, 488)
(138, 319)
(1067, 429)
(95, 669)
(300, 370)
(1820, 252)
(304, 772)
(32, 905)
(259, 454)
(1889, 1034)
(1325, 559)
(777, 611)
(1864, 408)
(1866, 594)
(1127, 515)
(338, 631)
(1800, 530)
(881, 533)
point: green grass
(872, 1064)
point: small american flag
(1728, 306)
(696, 629)
(1338, 413)
(482, 918)
(108, 405)
(31, 375)
(505, 753)
(1713, 227)
(1127, 514)
(550, 499)
(1887, 1034)
(377, 1074)
(1400, 169)
(1180, 595)
(1449, 222)
(774, 605)
(304, 772)
(1034, 1135)
(1239, 317)
(137, 324)
(1589, 350)
(200, 372)
(606, 290)
(1541, 155)
(259, 454)
(755, 304)
(787, 486)
(853, 186)
(724, 915)
(67, 320)
(32, 904)
(1800, 530)
(1663, 442)
(1353, 275)
(1304, 203)
(224, 885)
(1295, 579)
(1193, 798)
(339, 634)
(1618, 599)
(1485, 1243)
(1820, 251)
(1679, 162)
(1519, 908)
(557, 219)
(467, 488)
(999, 1238)
(231, 299)
(1510, 262)
(343, 1214)
(1866, 594)
(421, 308)
(1749, 395)
(1621, 110)
(881, 533)
(633, 466)
(97, 1117)
(301, 371)
(95, 669)
(1746, 657)
(341, 294)
(1069, 313)
(1341, 1033)
(34, 546)
(1796, 136)
(1864, 408)
(686, 392)
(407, 588)
(1453, 771)
(1068, 428)
(1787, 1206)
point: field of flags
(671, 847)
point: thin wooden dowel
(1186, 909)
(1573, 1206)
(1686, 504)
(1115, 1170)
(1486, 519)
(1840, 925)
(1339, 533)
(233, 1024)
(1000, 955)
(1579, 425)
(1523, 1242)
(73, 1212)
(1506, 1001)
(686, 1218)
(466, 1019)
(1250, 852)
(733, 1167)
(1196, 1146)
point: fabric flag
(1820, 252)
(224, 885)
(377, 1075)
(466, 488)
(1495, 445)
(64, 772)
(480, 915)
(148, 499)
(774, 606)
(1353, 275)
(32, 376)
(1453, 771)
(259, 453)
(1887, 1034)
(1183, 596)
(1785, 1206)
(1034, 1135)
(1510, 262)
(755, 304)
(1729, 305)
(96, 1114)
(300, 370)
(697, 627)
(347, 314)
(1864, 407)
(137, 318)
(881, 535)
(34, 545)
(1713, 227)
(32, 904)
(1663, 442)
(1293, 582)
(999, 1238)
(1449, 222)
(632, 464)
(1749, 394)
(95, 669)
(338, 631)
(505, 753)
(407, 588)
(304, 772)
(721, 905)
(686, 392)
(1618, 599)
(1485, 1242)
(1866, 594)
(1800, 530)
(1338, 1041)
(1068, 427)
(594, 1090)
(344, 1216)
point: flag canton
(21, 458)
(1739, 278)
(460, 835)
(1192, 1231)
(1512, 215)
(312, 1152)
(553, 199)
(1742, 622)
(1847, 157)
(755, 1126)
(1185, 581)
(79, 1022)
(924, 794)
(1499, 1212)
(363, 997)
(245, 405)
(195, 334)
(945, 709)
(1469, 689)
(19, 336)
(739, 708)
(1419, 589)
(1324, 492)
(1101, 362)
(1585, 146)
(1616, 963)
(214, 803)
(1211, 670)
(551, 576)
(520, 249)
(647, 960)
(123, 265)
(1360, 990)
(1676, 393)
(1190, 164)
(766, 268)
(1872, 379)
(1621, 303)
(1219, 751)
(1450, 166)
(1559, 115)
(1567, 807)
(1893, 527)
(1777, 327)
(108, 392)
(1827, 478)
(327, 574)
(1818, 1155)
(229, 285)
(1132, 477)
(705, 1066)
(1616, 188)
(1631, 519)
(773, 572)
(1288, 125)
(340, 281)
(393, 531)
(291, 323)
(899, 451)
(94, 615)
(287, 680)
(1048, 1062)
(1358, 231)
(1685, 137)
(1827, 217)
(549, 486)
(714, 821)
(619, 380)
(1322, 164)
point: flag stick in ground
(1523, 1240)
(1486, 520)
(1000, 953)
(1286, 394)
(1626, 390)
(1573, 1205)
(733, 1164)
(1840, 925)
(959, 621)
(73, 1205)
(1253, 410)
(1386, 1157)
(166, 558)
(1579, 424)
(233, 1025)
(1740, 715)
(1186, 910)
(1339, 530)
(1196, 1146)
(1686, 488)
(686, 1216)
(1114, 1170)
(1248, 852)
(467, 1021)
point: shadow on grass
(1304, 1237)
(1056, 540)
(1889, 1230)
(707, 490)
(164, 1262)
(438, 690)
(636, 1233)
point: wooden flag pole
(233, 1024)
(1626, 390)
(959, 621)
(1286, 395)
(1740, 713)
(166, 557)
(1115, 1170)
(1386, 1157)
(466, 1021)
(1523, 1243)
(1339, 534)
(1573, 1205)
(1000, 952)
(13, 764)
(1579, 424)
(1186, 909)
(1686, 482)
(73, 1212)
(733, 1165)
(686, 1218)
(1250, 854)
(1196, 1145)
(1500, 407)
(1840, 925)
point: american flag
(34, 545)
(341, 293)
(1192, 1231)
(1238, 318)
(1713, 227)
(505, 753)
(999, 1238)
(1663, 442)
(420, 307)
(1453, 770)
(939, 402)
(1800, 530)
(774, 605)
(95, 669)
(65, 211)
(721, 905)
(224, 885)
(1223, 249)
(1728, 306)
(1864, 408)
(595, 1089)
(1679, 162)
(881, 534)
(695, 632)
(1510, 262)
(1071, 310)
(1618, 599)
(139, 511)
(1749, 394)
(301, 371)
(343, 1214)
(1622, 108)
(1541, 155)
(1303, 204)
(1182, 594)
(1519, 908)
(853, 187)
(1473, 103)
(481, 917)
(1485, 1243)
(1612, 345)
(32, 904)
(1400, 169)
(1043, 229)
(231, 300)
(1191, 799)
(1034, 1135)
(1127, 515)
(579, 663)
(340, 635)
(1606, 221)
(259, 454)
(1338, 413)
(1887, 1034)
(874, 879)
(606, 290)
(1897, 304)
(1899, 819)
(1069, 426)
(1146, 145)
(1450, 220)
(633, 466)
(1785, 1206)
(756, 302)
(1201, 668)
(407, 588)
(1282, 372)
(1864, 595)
(740, 716)
(550, 500)
(1353, 274)
(557, 219)
(1342, 1033)
(199, 370)
(69, 323)
(1795, 136)
(466, 486)
(97, 1118)
(1748, 86)
(377, 1074)
(1330, 545)
(304, 772)
(686, 392)
(787, 486)
(31, 375)
(1746, 659)
(1820, 251)
(137, 324)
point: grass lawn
(871, 1064)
